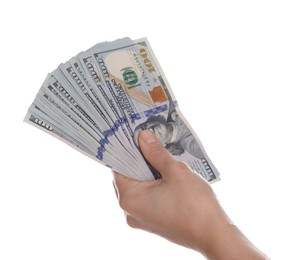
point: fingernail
(148, 137)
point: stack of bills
(101, 99)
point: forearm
(228, 242)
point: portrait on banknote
(172, 132)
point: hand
(180, 207)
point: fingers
(119, 182)
(120, 179)
(128, 192)
(154, 152)
(122, 183)
(133, 222)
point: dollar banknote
(100, 100)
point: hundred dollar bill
(35, 120)
(142, 94)
(54, 114)
(99, 101)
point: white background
(223, 60)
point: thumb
(154, 152)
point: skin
(193, 215)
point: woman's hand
(180, 207)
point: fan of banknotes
(101, 99)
